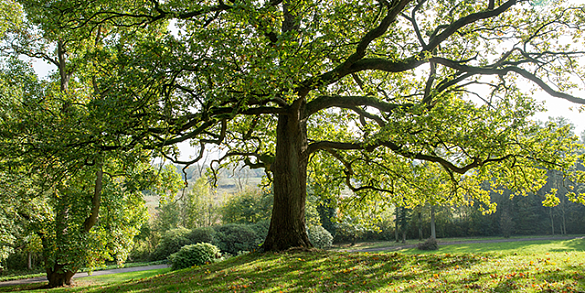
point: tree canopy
(403, 101)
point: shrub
(261, 230)
(233, 238)
(201, 235)
(320, 237)
(194, 254)
(430, 244)
(171, 242)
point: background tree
(88, 191)
(363, 90)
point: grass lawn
(532, 266)
(383, 244)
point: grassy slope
(535, 266)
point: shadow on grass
(317, 271)
(325, 271)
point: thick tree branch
(329, 145)
(503, 71)
(471, 18)
(95, 201)
(348, 66)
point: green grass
(521, 247)
(17, 275)
(532, 266)
(384, 244)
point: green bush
(201, 235)
(320, 237)
(430, 244)
(171, 242)
(246, 207)
(233, 238)
(194, 254)
(261, 230)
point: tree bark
(420, 232)
(433, 231)
(552, 221)
(287, 226)
(58, 277)
(396, 225)
(57, 274)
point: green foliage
(201, 235)
(320, 237)
(249, 206)
(261, 230)
(194, 255)
(351, 228)
(199, 207)
(326, 213)
(171, 242)
(234, 238)
(382, 97)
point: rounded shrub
(171, 242)
(320, 237)
(194, 254)
(430, 244)
(201, 235)
(233, 238)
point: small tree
(250, 206)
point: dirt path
(392, 248)
(83, 275)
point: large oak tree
(404, 101)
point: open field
(528, 266)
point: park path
(391, 248)
(83, 275)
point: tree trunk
(57, 274)
(552, 221)
(57, 277)
(433, 232)
(420, 232)
(29, 263)
(287, 225)
(396, 226)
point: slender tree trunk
(287, 226)
(29, 263)
(433, 231)
(552, 221)
(420, 232)
(396, 225)
(563, 218)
